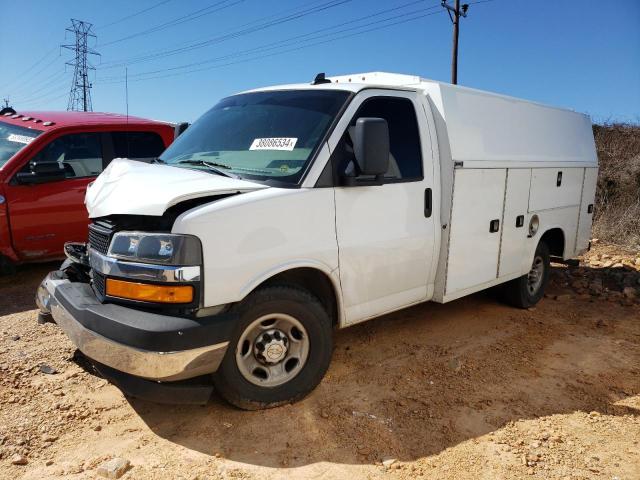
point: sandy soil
(472, 389)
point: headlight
(161, 248)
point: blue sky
(580, 54)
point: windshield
(12, 139)
(264, 136)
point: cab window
(143, 146)
(405, 157)
(78, 154)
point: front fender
(248, 238)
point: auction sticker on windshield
(274, 143)
(20, 138)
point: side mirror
(41, 172)
(371, 146)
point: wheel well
(312, 280)
(554, 239)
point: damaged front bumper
(143, 344)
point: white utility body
(370, 192)
(485, 157)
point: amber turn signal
(146, 292)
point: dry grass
(617, 214)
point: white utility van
(284, 212)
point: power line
(299, 47)
(306, 37)
(80, 94)
(46, 101)
(38, 62)
(153, 53)
(53, 79)
(44, 92)
(177, 21)
(326, 40)
(26, 81)
(235, 34)
(127, 17)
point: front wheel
(279, 350)
(526, 291)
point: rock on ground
(114, 468)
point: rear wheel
(279, 351)
(526, 291)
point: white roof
(485, 126)
(355, 82)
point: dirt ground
(469, 390)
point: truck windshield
(14, 138)
(264, 136)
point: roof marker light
(17, 115)
(48, 124)
(26, 119)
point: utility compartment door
(555, 188)
(514, 230)
(474, 240)
(586, 208)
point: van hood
(135, 188)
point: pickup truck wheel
(526, 291)
(279, 351)
(7, 267)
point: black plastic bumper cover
(143, 330)
(196, 391)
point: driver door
(385, 234)
(45, 216)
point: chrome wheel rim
(536, 275)
(272, 350)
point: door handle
(428, 203)
(494, 226)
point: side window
(137, 145)
(78, 154)
(405, 158)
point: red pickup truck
(47, 159)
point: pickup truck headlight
(159, 248)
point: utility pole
(80, 93)
(6, 102)
(454, 14)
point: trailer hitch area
(77, 253)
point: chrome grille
(99, 238)
(99, 283)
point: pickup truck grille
(99, 283)
(99, 237)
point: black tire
(231, 383)
(518, 292)
(7, 267)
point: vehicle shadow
(17, 291)
(415, 382)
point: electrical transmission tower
(80, 94)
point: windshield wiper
(214, 167)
